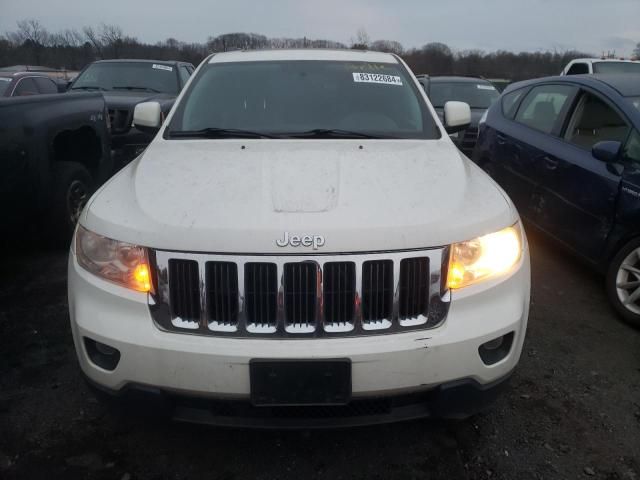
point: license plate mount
(300, 382)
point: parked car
(582, 66)
(24, 84)
(61, 74)
(476, 92)
(124, 84)
(301, 243)
(54, 151)
(567, 151)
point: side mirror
(147, 116)
(457, 116)
(606, 151)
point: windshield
(616, 67)
(4, 84)
(477, 95)
(143, 76)
(289, 98)
(635, 101)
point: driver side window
(632, 149)
(594, 121)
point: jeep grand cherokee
(301, 244)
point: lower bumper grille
(300, 297)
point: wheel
(623, 282)
(72, 187)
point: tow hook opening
(497, 349)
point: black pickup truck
(124, 84)
(54, 151)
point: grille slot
(261, 295)
(377, 294)
(222, 296)
(339, 289)
(119, 120)
(185, 296)
(300, 294)
(414, 290)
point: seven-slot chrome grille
(305, 296)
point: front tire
(72, 187)
(623, 282)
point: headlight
(484, 257)
(118, 262)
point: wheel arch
(81, 145)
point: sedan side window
(632, 148)
(510, 102)
(542, 108)
(594, 121)
(46, 85)
(25, 87)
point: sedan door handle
(552, 163)
(501, 139)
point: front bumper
(214, 369)
(453, 400)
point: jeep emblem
(315, 241)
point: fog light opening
(105, 349)
(102, 355)
(494, 344)
(497, 349)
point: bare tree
(389, 46)
(362, 40)
(112, 37)
(94, 39)
(33, 35)
(636, 51)
(31, 30)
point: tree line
(32, 44)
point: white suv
(301, 244)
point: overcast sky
(589, 25)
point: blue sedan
(567, 151)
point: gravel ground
(572, 410)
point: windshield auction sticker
(377, 78)
(163, 67)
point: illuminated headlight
(485, 257)
(118, 262)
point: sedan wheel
(628, 282)
(623, 282)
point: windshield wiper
(89, 88)
(148, 89)
(217, 133)
(330, 133)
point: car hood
(129, 99)
(241, 196)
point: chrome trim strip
(437, 312)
